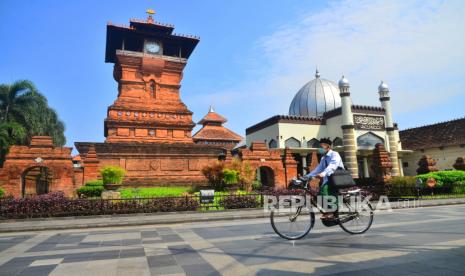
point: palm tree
(43, 120)
(24, 110)
(15, 98)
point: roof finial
(317, 73)
(150, 12)
(343, 82)
(211, 109)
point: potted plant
(112, 177)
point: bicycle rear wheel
(357, 216)
(292, 223)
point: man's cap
(326, 141)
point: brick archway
(280, 168)
(266, 176)
(36, 180)
(18, 173)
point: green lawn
(153, 192)
(437, 196)
(216, 200)
(176, 191)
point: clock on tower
(152, 47)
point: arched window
(314, 143)
(292, 143)
(337, 142)
(368, 141)
(272, 144)
(152, 89)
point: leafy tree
(10, 134)
(15, 98)
(24, 112)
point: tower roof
(216, 133)
(133, 36)
(212, 117)
(213, 129)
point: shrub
(256, 184)
(112, 175)
(230, 176)
(214, 173)
(92, 188)
(247, 177)
(237, 202)
(90, 191)
(458, 187)
(55, 205)
(402, 186)
(443, 178)
(96, 182)
(2, 192)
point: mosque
(323, 108)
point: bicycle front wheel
(292, 223)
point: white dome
(343, 82)
(383, 87)
(315, 98)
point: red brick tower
(148, 128)
(149, 61)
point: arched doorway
(36, 181)
(265, 175)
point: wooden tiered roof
(213, 129)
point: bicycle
(299, 221)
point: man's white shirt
(328, 165)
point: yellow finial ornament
(150, 12)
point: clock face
(152, 47)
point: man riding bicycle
(329, 163)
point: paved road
(423, 241)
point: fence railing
(59, 206)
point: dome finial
(383, 87)
(343, 82)
(317, 73)
(211, 109)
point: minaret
(383, 91)
(348, 133)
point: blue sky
(252, 58)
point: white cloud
(417, 47)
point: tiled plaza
(424, 241)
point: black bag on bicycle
(341, 179)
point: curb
(161, 219)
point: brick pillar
(393, 152)
(290, 166)
(91, 164)
(314, 183)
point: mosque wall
(267, 133)
(333, 125)
(445, 158)
(299, 131)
